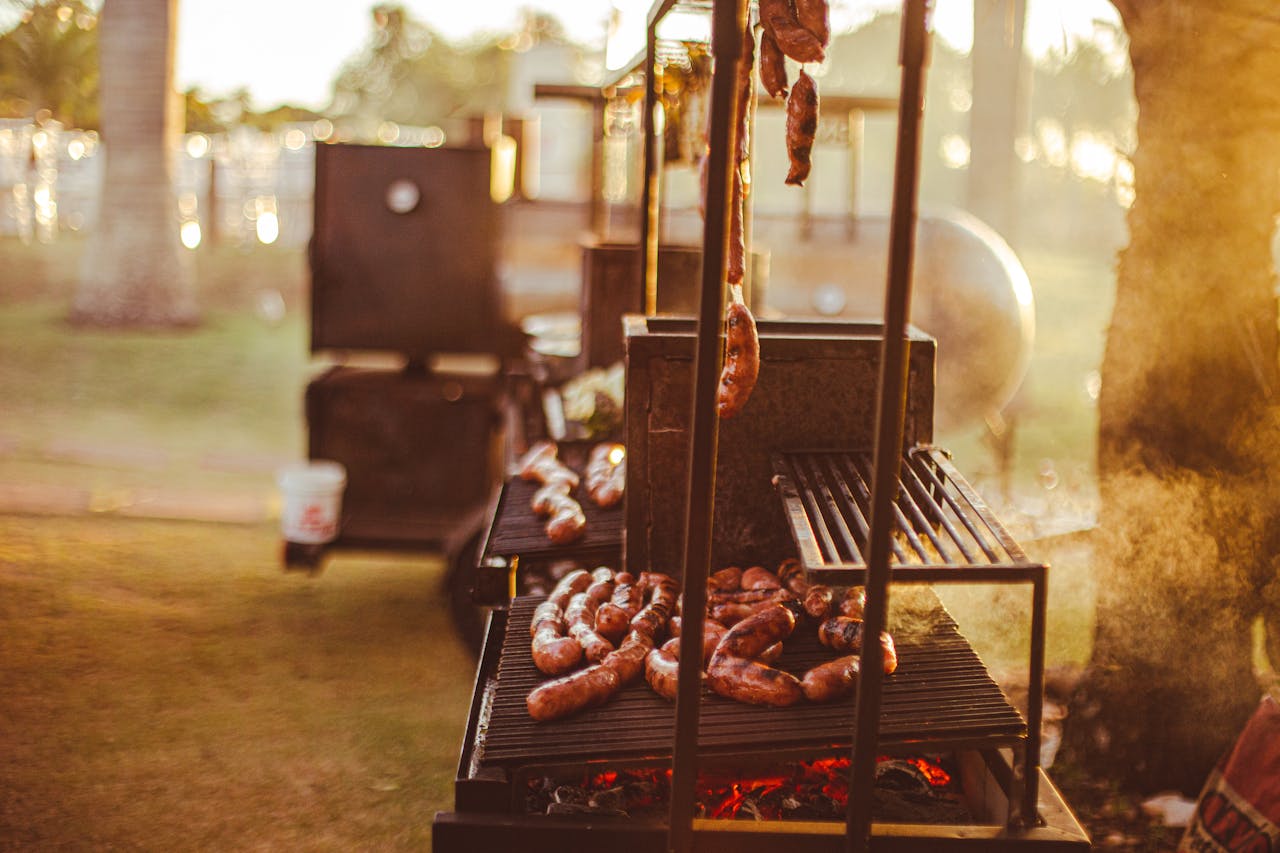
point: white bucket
(312, 507)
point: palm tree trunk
(135, 273)
(1186, 415)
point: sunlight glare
(954, 150)
(190, 234)
(197, 145)
(1093, 157)
(268, 227)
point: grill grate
(940, 523)
(941, 692)
(517, 532)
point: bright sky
(289, 51)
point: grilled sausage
(791, 574)
(726, 580)
(567, 522)
(751, 681)
(841, 633)
(606, 474)
(779, 19)
(571, 693)
(545, 499)
(736, 250)
(773, 66)
(831, 680)
(736, 260)
(548, 471)
(613, 618)
(552, 652)
(537, 454)
(730, 613)
(813, 16)
(758, 577)
(802, 127)
(601, 589)
(580, 620)
(854, 602)
(662, 669)
(613, 489)
(890, 653)
(771, 654)
(652, 618)
(818, 601)
(741, 358)
(742, 596)
(574, 582)
(628, 661)
(750, 637)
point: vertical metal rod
(1035, 699)
(891, 402)
(650, 202)
(728, 20)
(597, 220)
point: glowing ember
(916, 788)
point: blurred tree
(998, 111)
(1187, 457)
(411, 75)
(49, 61)
(134, 272)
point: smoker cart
(405, 299)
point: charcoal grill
(885, 506)
(941, 695)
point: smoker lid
(404, 251)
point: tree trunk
(135, 273)
(1186, 455)
(997, 113)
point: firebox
(768, 777)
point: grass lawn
(165, 686)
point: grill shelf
(516, 531)
(943, 531)
(941, 693)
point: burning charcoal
(901, 776)
(539, 795)
(569, 794)
(583, 809)
(609, 799)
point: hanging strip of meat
(813, 16)
(779, 18)
(773, 66)
(802, 126)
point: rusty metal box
(611, 289)
(421, 450)
(404, 250)
(816, 389)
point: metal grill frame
(942, 695)
(946, 532)
(930, 490)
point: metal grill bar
(940, 524)
(961, 513)
(941, 692)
